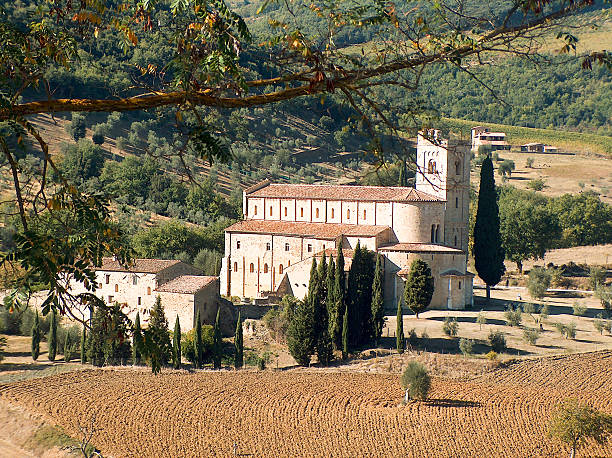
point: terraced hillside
(318, 412)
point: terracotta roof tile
(186, 284)
(420, 248)
(315, 230)
(341, 192)
(149, 266)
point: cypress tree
(159, 332)
(336, 321)
(96, 338)
(361, 277)
(300, 336)
(403, 178)
(488, 250)
(199, 345)
(378, 318)
(52, 340)
(36, 337)
(176, 345)
(83, 346)
(322, 281)
(67, 349)
(217, 343)
(419, 287)
(345, 332)
(320, 323)
(238, 344)
(137, 341)
(399, 339)
(313, 282)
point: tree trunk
(519, 266)
(488, 294)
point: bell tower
(443, 170)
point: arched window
(348, 214)
(280, 269)
(265, 268)
(235, 267)
(459, 284)
(437, 233)
(431, 166)
(285, 211)
(270, 211)
(255, 210)
(364, 214)
(332, 214)
(317, 212)
(455, 240)
(288, 264)
(116, 288)
(433, 233)
(302, 212)
(252, 268)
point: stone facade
(270, 252)
(182, 289)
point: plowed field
(318, 413)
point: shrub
(481, 319)
(599, 325)
(560, 327)
(544, 312)
(276, 321)
(412, 337)
(491, 356)
(538, 282)
(513, 317)
(450, 327)
(537, 185)
(570, 330)
(531, 335)
(261, 363)
(416, 381)
(74, 335)
(497, 340)
(529, 162)
(579, 310)
(466, 346)
(27, 321)
(597, 277)
(188, 343)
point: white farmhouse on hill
(181, 287)
(270, 252)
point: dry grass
(323, 413)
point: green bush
(497, 340)
(466, 346)
(513, 317)
(597, 276)
(537, 184)
(188, 343)
(579, 310)
(450, 327)
(9, 322)
(416, 381)
(570, 330)
(531, 335)
(74, 336)
(27, 321)
(538, 282)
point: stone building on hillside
(270, 252)
(181, 287)
(481, 136)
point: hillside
(313, 412)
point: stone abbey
(270, 252)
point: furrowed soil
(317, 412)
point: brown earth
(320, 412)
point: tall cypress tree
(300, 334)
(339, 300)
(419, 287)
(67, 349)
(313, 283)
(378, 318)
(361, 277)
(345, 332)
(488, 250)
(176, 344)
(217, 343)
(403, 176)
(52, 338)
(83, 345)
(36, 337)
(199, 345)
(399, 338)
(323, 346)
(238, 344)
(136, 341)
